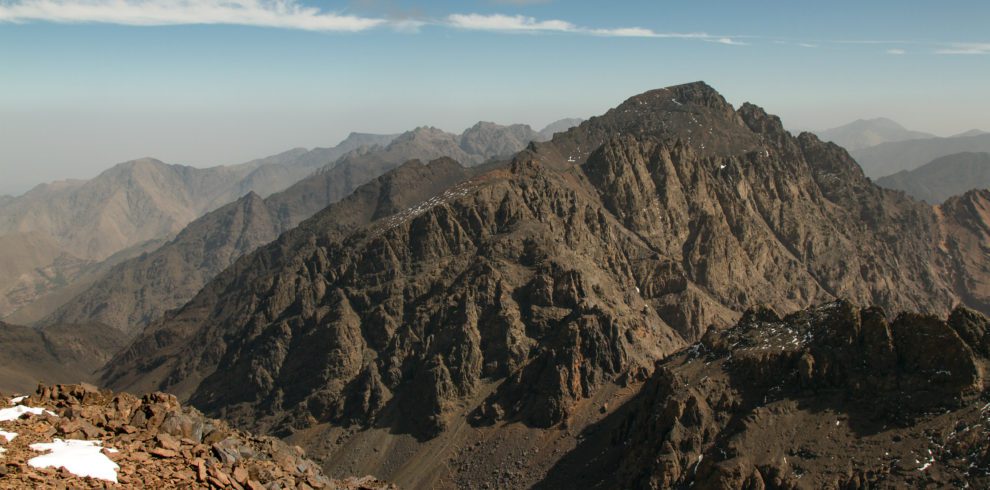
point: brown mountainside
(533, 292)
(86, 227)
(140, 290)
(830, 397)
(59, 354)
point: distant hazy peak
(943, 177)
(971, 132)
(863, 133)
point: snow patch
(17, 400)
(9, 414)
(81, 458)
(9, 436)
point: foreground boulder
(154, 442)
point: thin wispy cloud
(286, 14)
(965, 48)
(294, 14)
(523, 24)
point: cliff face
(521, 294)
(829, 397)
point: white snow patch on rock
(17, 399)
(9, 436)
(81, 458)
(14, 413)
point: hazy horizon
(92, 84)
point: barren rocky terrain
(144, 442)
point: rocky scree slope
(521, 293)
(830, 397)
(155, 443)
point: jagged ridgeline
(535, 291)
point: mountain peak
(864, 133)
(694, 93)
(694, 114)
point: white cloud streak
(286, 14)
(522, 24)
(965, 48)
(292, 14)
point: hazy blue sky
(85, 84)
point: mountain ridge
(143, 289)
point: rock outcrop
(830, 397)
(155, 443)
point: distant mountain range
(890, 158)
(78, 227)
(943, 177)
(140, 290)
(863, 133)
(883, 147)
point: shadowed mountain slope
(830, 397)
(58, 354)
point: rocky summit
(142, 442)
(435, 343)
